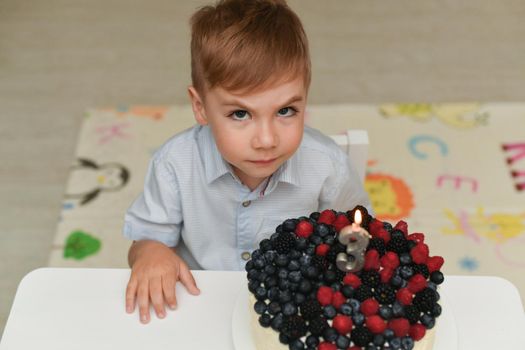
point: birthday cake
(343, 280)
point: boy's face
(257, 131)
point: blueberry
(312, 272)
(294, 286)
(358, 319)
(396, 281)
(259, 263)
(436, 310)
(265, 245)
(257, 254)
(397, 309)
(371, 347)
(284, 338)
(270, 255)
(273, 293)
(310, 250)
(270, 282)
(432, 286)
(385, 312)
(347, 290)
(343, 342)
(295, 276)
(322, 230)
(281, 260)
(289, 225)
(274, 308)
(315, 239)
(295, 254)
(388, 334)
(355, 304)
(330, 276)
(253, 285)
(277, 321)
(294, 265)
(305, 286)
(346, 309)
(289, 309)
(406, 272)
(407, 343)
(329, 311)
(297, 344)
(283, 273)
(428, 321)
(278, 229)
(249, 266)
(395, 343)
(379, 340)
(260, 293)
(259, 307)
(299, 298)
(253, 274)
(285, 296)
(312, 341)
(405, 259)
(330, 334)
(305, 260)
(301, 244)
(270, 269)
(265, 320)
(437, 277)
(284, 284)
(315, 215)
(329, 240)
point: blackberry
(317, 325)
(398, 245)
(334, 250)
(420, 268)
(284, 243)
(340, 274)
(361, 336)
(293, 327)
(385, 294)
(310, 309)
(319, 262)
(412, 314)
(363, 292)
(377, 244)
(370, 278)
(315, 215)
(425, 300)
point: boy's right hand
(155, 269)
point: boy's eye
(286, 112)
(240, 115)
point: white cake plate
(446, 329)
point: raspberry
(352, 280)
(322, 249)
(434, 263)
(370, 278)
(369, 307)
(386, 274)
(326, 346)
(390, 260)
(417, 283)
(374, 226)
(284, 242)
(342, 324)
(340, 222)
(372, 260)
(310, 309)
(375, 324)
(402, 226)
(338, 299)
(327, 217)
(417, 331)
(304, 229)
(419, 253)
(294, 327)
(400, 326)
(325, 295)
(317, 325)
(385, 294)
(404, 296)
(417, 237)
(384, 235)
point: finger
(143, 301)
(157, 297)
(187, 280)
(168, 286)
(131, 291)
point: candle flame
(357, 217)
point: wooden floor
(59, 57)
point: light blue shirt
(193, 200)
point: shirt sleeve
(343, 189)
(157, 213)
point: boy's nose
(265, 136)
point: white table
(79, 309)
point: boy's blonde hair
(246, 44)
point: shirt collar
(215, 166)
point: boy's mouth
(263, 161)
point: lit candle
(356, 240)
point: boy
(214, 191)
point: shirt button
(246, 256)
(246, 204)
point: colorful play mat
(453, 171)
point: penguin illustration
(88, 179)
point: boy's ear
(198, 106)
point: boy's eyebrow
(241, 104)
